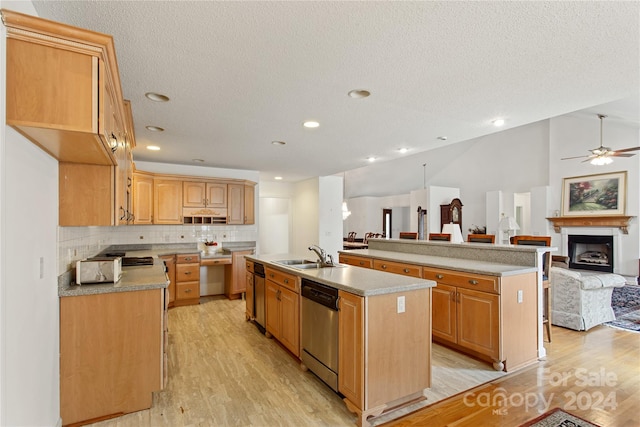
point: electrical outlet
(401, 304)
(519, 296)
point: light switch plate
(519, 296)
(401, 304)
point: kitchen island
(384, 330)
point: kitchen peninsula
(384, 330)
(488, 299)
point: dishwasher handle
(321, 294)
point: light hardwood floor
(594, 375)
(223, 372)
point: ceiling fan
(602, 155)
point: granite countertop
(138, 278)
(359, 281)
(458, 264)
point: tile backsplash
(76, 243)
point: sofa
(581, 299)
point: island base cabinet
(282, 310)
(384, 352)
(111, 353)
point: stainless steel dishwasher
(319, 338)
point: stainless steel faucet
(324, 259)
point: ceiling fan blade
(576, 157)
(627, 149)
(616, 154)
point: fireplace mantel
(622, 222)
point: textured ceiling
(242, 74)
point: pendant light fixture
(345, 210)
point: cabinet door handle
(271, 275)
(187, 272)
(473, 282)
(439, 276)
(458, 297)
(286, 281)
(186, 291)
(453, 296)
(188, 258)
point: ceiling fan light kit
(602, 155)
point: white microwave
(98, 270)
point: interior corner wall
(493, 210)
(305, 230)
(330, 222)
(29, 326)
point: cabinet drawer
(249, 266)
(287, 280)
(463, 280)
(187, 258)
(187, 272)
(187, 290)
(398, 268)
(358, 261)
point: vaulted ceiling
(240, 75)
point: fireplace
(587, 252)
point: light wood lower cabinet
(397, 268)
(170, 262)
(112, 353)
(235, 279)
(249, 277)
(358, 261)
(187, 279)
(489, 317)
(282, 309)
(384, 356)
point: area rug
(558, 418)
(625, 302)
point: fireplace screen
(591, 252)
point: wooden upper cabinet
(249, 204)
(142, 199)
(204, 194)
(167, 201)
(63, 88)
(216, 195)
(86, 195)
(235, 211)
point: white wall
(305, 216)
(29, 331)
(330, 214)
(574, 135)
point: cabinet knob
(286, 281)
(361, 262)
(384, 266)
(439, 276)
(406, 270)
(186, 291)
(473, 282)
(187, 272)
(188, 258)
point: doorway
(386, 223)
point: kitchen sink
(314, 266)
(295, 262)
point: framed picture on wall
(595, 195)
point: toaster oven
(98, 270)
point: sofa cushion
(591, 279)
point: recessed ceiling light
(153, 148)
(198, 160)
(498, 122)
(371, 158)
(157, 97)
(359, 93)
(155, 128)
(278, 142)
(278, 178)
(442, 138)
(403, 150)
(311, 124)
